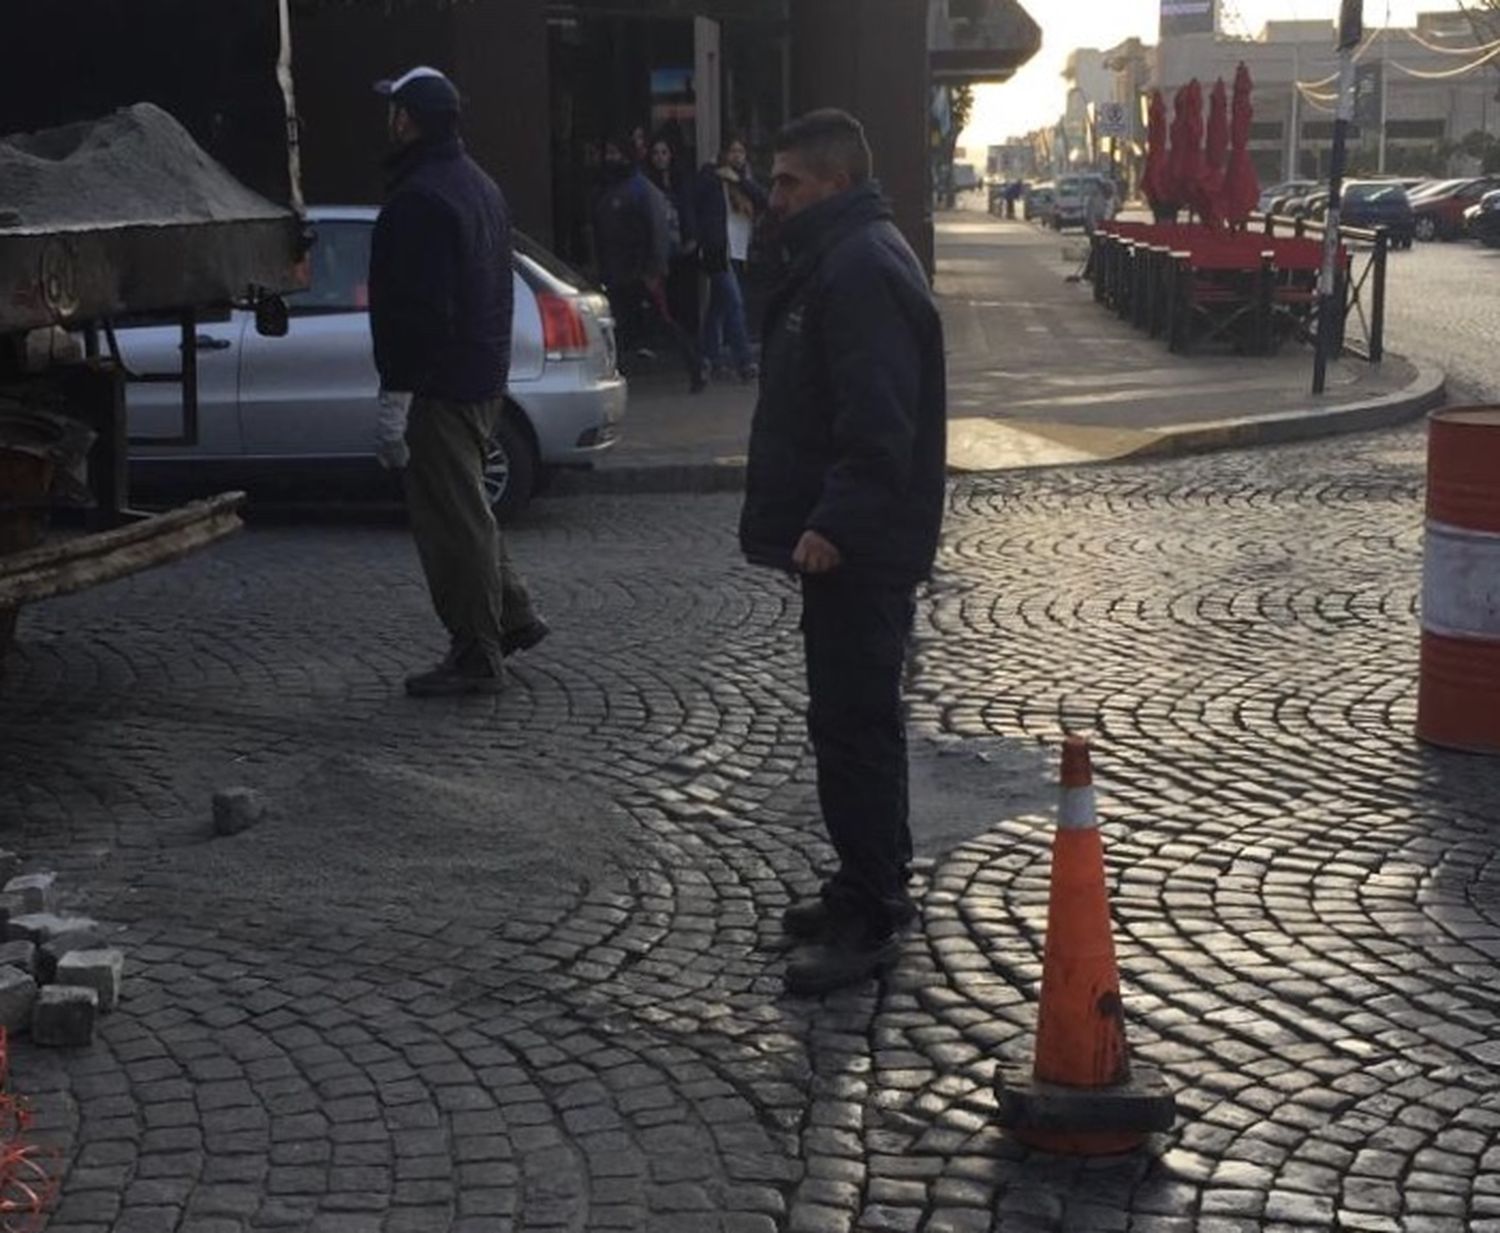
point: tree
(960, 109)
(1484, 20)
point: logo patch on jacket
(794, 320)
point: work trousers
(855, 637)
(477, 592)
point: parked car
(1310, 205)
(1434, 186)
(1070, 203)
(1440, 211)
(1273, 200)
(302, 409)
(966, 178)
(1037, 202)
(1378, 203)
(1482, 220)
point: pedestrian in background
(1013, 192)
(845, 487)
(633, 235)
(441, 303)
(728, 203)
(1095, 207)
(678, 191)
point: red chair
(1220, 289)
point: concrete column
(870, 57)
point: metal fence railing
(1361, 284)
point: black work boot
(849, 954)
(465, 671)
(808, 920)
(816, 918)
(525, 638)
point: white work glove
(390, 430)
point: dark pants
(641, 308)
(855, 636)
(478, 594)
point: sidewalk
(1039, 375)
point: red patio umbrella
(1187, 147)
(1241, 184)
(1215, 155)
(1155, 178)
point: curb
(1426, 391)
(645, 478)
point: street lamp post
(1351, 31)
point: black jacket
(630, 228)
(712, 212)
(441, 296)
(850, 433)
(679, 190)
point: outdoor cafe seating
(1213, 281)
(1196, 285)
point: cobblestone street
(512, 965)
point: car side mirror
(272, 318)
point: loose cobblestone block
(99, 970)
(19, 954)
(63, 1017)
(42, 927)
(34, 891)
(17, 993)
(237, 809)
(50, 952)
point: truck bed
(126, 214)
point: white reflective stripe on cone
(1461, 582)
(1075, 810)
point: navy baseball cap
(421, 90)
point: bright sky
(1035, 97)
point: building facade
(1418, 93)
(547, 81)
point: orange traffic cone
(1082, 1096)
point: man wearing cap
(441, 302)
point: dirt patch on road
(377, 830)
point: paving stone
(237, 809)
(31, 892)
(18, 993)
(43, 927)
(99, 970)
(64, 1017)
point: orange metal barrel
(1458, 696)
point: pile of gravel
(137, 167)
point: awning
(980, 40)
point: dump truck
(148, 173)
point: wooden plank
(88, 560)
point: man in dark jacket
(846, 488)
(633, 236)
(441, 302)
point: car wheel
(510, 469)
(1426, 229)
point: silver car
(302, 408)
